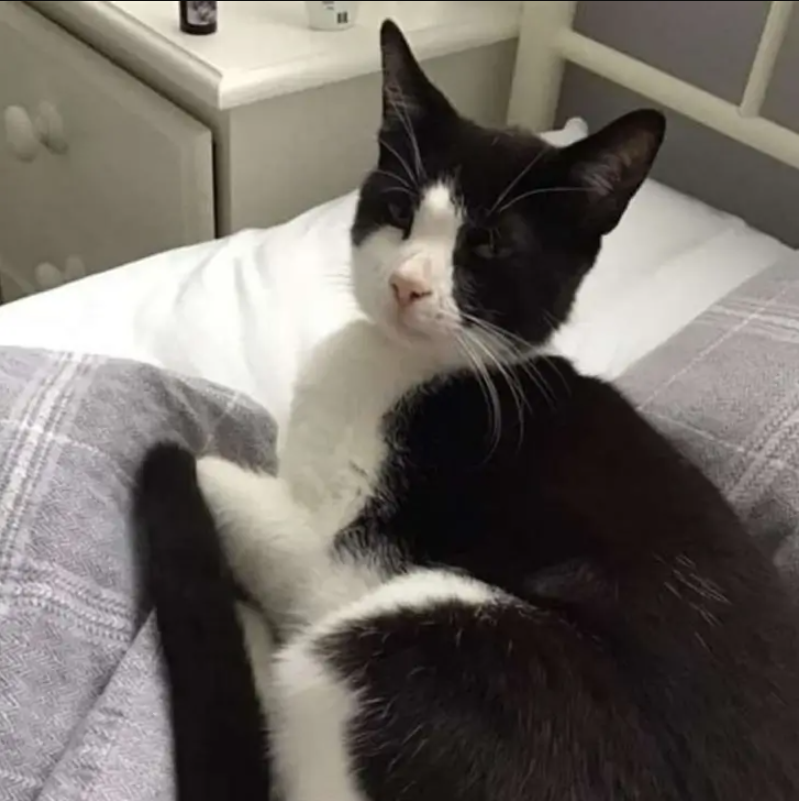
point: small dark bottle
(198, 17)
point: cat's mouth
(428, 331)
(411, 332)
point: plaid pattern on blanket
(83, 711)
(726, 388)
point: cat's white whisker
(520, 353)
(489, 390)
(532, 369)
(545, 191)
(497, 361)
(414, 180)
(402, 112)
(558, 372)
(515, 182)
(395, 177)
(398, 189)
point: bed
(690, 309)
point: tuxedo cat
(488, 577)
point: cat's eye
(492, 248)
(400, 215)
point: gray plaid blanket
(726, 388)
(82, 700)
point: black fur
(652, 653)
(220, 750)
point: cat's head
(464, 232)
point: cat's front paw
(257, 523)
(235, 497)
(224, 485)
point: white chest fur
(334, 447)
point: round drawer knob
(50, 128)
(48, 276)
(21, 134)
(74, 268)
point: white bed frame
(547, 42)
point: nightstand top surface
(264, 49)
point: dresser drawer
(96, 169)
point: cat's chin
(432, 341)
(440, 344)
(414, 337)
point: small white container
(331, 15)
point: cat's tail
(219, 741)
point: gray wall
(711, 45)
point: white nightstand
(122, 137)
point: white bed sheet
(244, 310)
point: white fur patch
(309, 715)
(278, 531)
(439, 215)
(424, 257)
(312, 707)
(416, 591)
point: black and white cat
(488, 576)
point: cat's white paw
(250, 510)
(265, 536)
(224, 485)
(234, 496)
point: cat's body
(534, 597)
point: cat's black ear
(611, 165)
(407, 91)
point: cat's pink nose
(408, 289)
